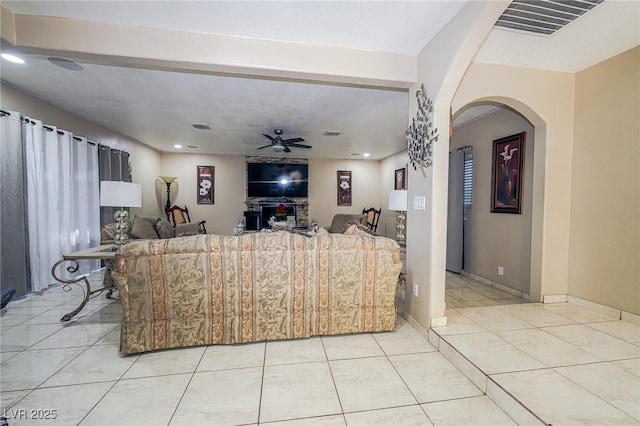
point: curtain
(114, 166)
(14, 267)
(62, 203)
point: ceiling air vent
(332, 133)
(543, 16)
(201, 126)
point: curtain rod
(4, 113)
(466, 147)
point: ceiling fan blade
(266, 146)
(286, 149)
(271, 138)
(298, 145)
(293, 140)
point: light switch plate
(419, 202)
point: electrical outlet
(415, 289)
(500, 270)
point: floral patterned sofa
(214, 289)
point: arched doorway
(498, 250)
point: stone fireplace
(264, 208)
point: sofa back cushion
(144, 228)
(164, 229)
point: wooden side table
(106, 253)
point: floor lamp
(398, 202)
(168, 180)
(121, 195)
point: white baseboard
(554, 298)
(499, 286)
(629, 317)
(438, 322)
(483, 280)
(603, 309)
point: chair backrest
(373, 216)
(178, 215)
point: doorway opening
(488, 254)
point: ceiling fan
(279, 144)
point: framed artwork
(507, 174)
(205, 181)
(344, 187)
(400, 179)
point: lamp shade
(398, 200)
(120, 194)
(168, 179)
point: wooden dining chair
(373, 216)
(180, 215)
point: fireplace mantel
(299, 207)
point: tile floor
(537, 355)
(557, 364)
(465, 292)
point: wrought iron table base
(107, 284)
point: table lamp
(120, 194)
(398, 202)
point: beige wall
(230, 190)
(546, 99)
(145, 161)
(388, 166)
(323, 195)
(604, 246)
(495, 239)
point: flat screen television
(277, 180)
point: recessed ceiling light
(12, 58)
(366, 154)
(177, 146)
(65, 63)
(201, 126)
(332, 133)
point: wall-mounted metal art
(421, 134)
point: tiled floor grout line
(195, 370)
(264, 367)
(510, 395)
(595, 395)
(333, 379)
(609, 334)
(489, 377)
(98, 401)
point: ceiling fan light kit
(283, 145)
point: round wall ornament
(421, 134)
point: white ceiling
(157, 107)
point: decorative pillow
(143, 228)
(350, 227)
(187, 229)
(164, 229)
(340, 219)
(321, 232)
